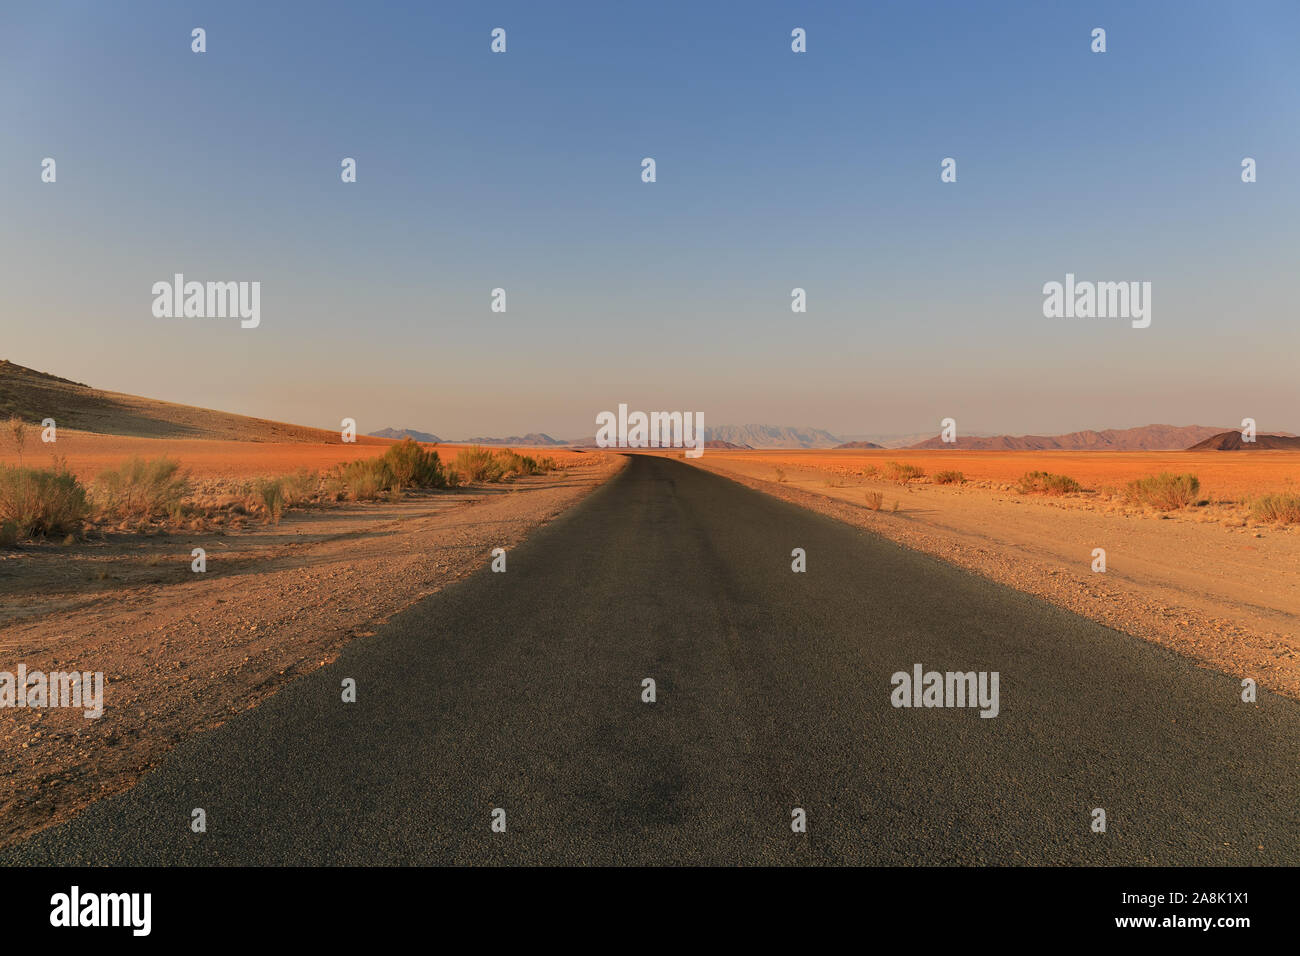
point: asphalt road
(523, 691)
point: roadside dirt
(1208, 584)
(181, 651)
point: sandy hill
(1232, 441)
(34, 396)
(1143, 438)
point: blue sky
(775, 170)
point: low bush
(39, 501)
(141, 488)
(513, 463)
(414, 466)
(479, 464)
(486, 464)
(875, 500)
(367, 479)
(1284, 508)
(301, 486)
(333, 487)
(949, 478)
(902, 472)
(1046, 483)
(1165, 491)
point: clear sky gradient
(775, 170)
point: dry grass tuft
(902, 472)
(1046, 483)
(39, 501)
(1165, 491)
(1283, 508)
(141, 488)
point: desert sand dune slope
(35, 396)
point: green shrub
(479, 464)
(40, 501)
(1165, 491)
(368, 478)
(516, 464)
(141, 488)
(482, 464)
(1284, 508)
(415, 467)
(1045, 483)
(949, 478)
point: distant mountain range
(740, 437)
(721, 436)
(531, 440)
(33, 395)
(894, 440)
(771, 436)
(1143, 438)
